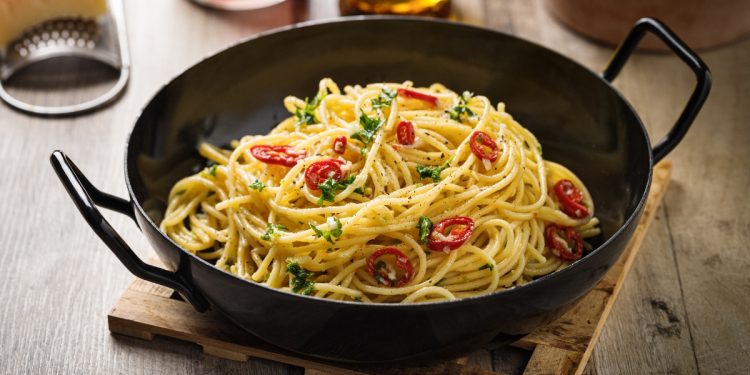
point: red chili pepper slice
(564, 242)
(385, 273)
(570, 198)
(407, 93)
(339, 144)
(280, 155)
(483, 146)
(450, 233)
(318, 172)
(405, 133)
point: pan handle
(87, 197)
(702, 75)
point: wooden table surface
(685, 308)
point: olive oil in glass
(438, 8)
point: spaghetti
(384, 193)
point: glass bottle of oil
(439, 8)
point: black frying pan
(580, 119)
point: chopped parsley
(306, 115)
(487, 266)
(380, 267)
(257, 185)
(462, 109)
(180, 192)
(370, 126)
(329, 235)
(330, 187)
(424, 224)
(212, 170)
(425, 171)
(272, 231)
(359, 191)
(300, 278)
(384, 99)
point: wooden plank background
(683, 309)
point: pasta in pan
(384, 193)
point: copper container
(702, 24)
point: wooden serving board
(562, 347)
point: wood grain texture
(550, 360)
(59, 279)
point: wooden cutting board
(563, 347)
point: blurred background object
(700, 23)
(440, 8)
(238, 4)
(73, 51)
(18, 16)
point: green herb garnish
(272, 231)
(487, 266)
(306, 115)
(329, 235)
(431, 172)
(379, 266)
(424, 224)
(462, 108)
(257, 185)
(330, 187)
(180, 192)
(384, 99)
(370, 126)
(300, 276)
(212, 170)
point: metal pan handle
(87, 198)
(702, 75)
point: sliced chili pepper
(450, 233)
(564, 242)
(483, 146)
(385, 273)
(318, 172)
(570, 198)
(339, 144)
(280, 155)
(407, 93)
(405, 133)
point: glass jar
(439, 8)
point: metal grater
(103, 39)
